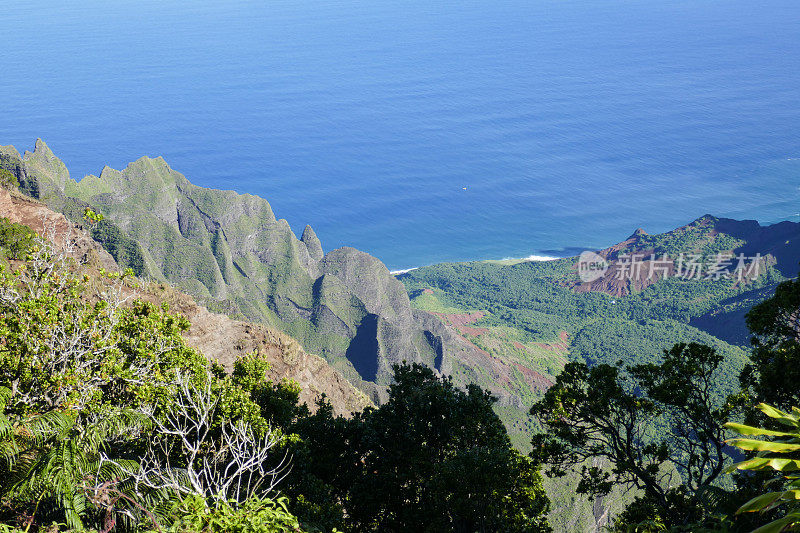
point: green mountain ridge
(230, 252)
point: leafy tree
(278, 402)
(16, 240)
(774, 372)
(324, 467)
(433, 458)
(656, 426)
(92, 217)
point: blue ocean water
(428, 130)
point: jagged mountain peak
(312, 242)
(41, 147)
(10, 151)
(44, 161)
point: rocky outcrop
(43, 161)
(312, 243)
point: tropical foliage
(7, 179)
(15, 239)
(656, 426)
(109, 421)
(101, 399)
(779, 454)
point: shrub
(255, 515)
(16, 240)
(7, 179)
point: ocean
(428, 130)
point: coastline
(507, 260)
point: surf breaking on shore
(533, 257)
(537, 258)
(402, 271)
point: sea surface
(428, 130)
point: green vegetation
(87, 385)
(530, 309)
(7, 179)
(432, 458)
(698, 237)
(12, 165)
(773, 375)
(92, 217)
(536, 320)
(780, 455)
(16, 240)
(536, 299)
(255, 515)
(648, 422)
(529, 305)
(125, 251)
(109, 421)
(658, 428)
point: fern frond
(51, 425)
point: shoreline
(533, 258)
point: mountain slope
(230, 252)
(217, 336)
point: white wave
(529, 258)
(532, 258)
(540, 258)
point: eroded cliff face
(217, 336)
(230, 252)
